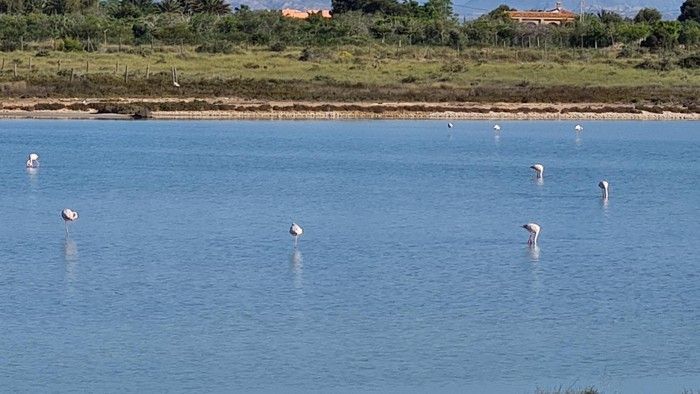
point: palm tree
(170, 6)
(218, 7)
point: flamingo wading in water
(604, 186)
(534, 230)
(578, 128)
(32, 160)
(68, 215)
(539, 170)
(296, 231)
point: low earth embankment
(353, 82)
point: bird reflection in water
(533, 252)
(297, 267)
(70, 253)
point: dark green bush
(216, 46)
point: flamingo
(68, 215)
(539, 170)
(450, 125)
(534, 230)
(296, 231)
(497, 127)
(32, 160)
(604, 186)
(578, 127)
(177, 85)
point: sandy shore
(284, 110)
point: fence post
(15, 71)
(126, 73)
(87, 66)
(148, 71)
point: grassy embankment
(361, 74)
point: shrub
(308, 54)
(216, 46)
(72, 45)
(691, 61)
(278, 46)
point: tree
(439, 9)
(690, 33)
(500, 12)
(690, 11)
(216, 7)
(664, 35)
(609, 17)
(389, 7)
(648, 15)
(170, 6)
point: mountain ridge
(474, 8)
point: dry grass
(354, 73)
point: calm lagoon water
(413, 271)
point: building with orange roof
(292, 13)
(556, 16)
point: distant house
(556, 16)
(292, 13)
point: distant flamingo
(539, 170)
(68, 215)
(450, 125)
(497, 127)
(296, 231)
(32, 160)
(578, 128)
(534, 230)
(604, 186)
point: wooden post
(148, 71)
(72, 75)
(15, 71)
(87, 66)
(126, 73)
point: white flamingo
(578, 127)
(296, 231)
(534, 230)
(450, 125)
(68, 215)
(604, 186)
(497, 127)
(539, 170)
(32, 160)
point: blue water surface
(413, 272)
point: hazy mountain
(474, 8)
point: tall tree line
(215, 26)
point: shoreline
(237, 109)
